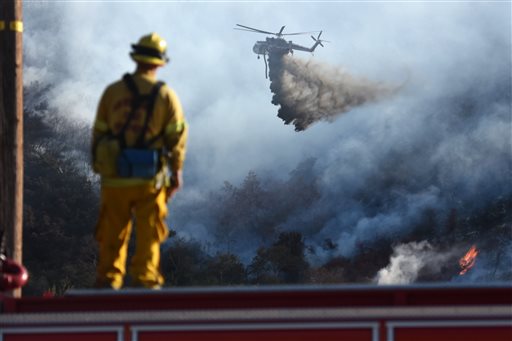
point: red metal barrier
(301, 313)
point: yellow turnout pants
(119, 205)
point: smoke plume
(308, 92)
(410, 260)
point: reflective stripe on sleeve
(101, 126)
(2, 25)
(16, 25)
(175, 128)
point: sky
(448, 55)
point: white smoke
(408, 260)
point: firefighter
(138, 149)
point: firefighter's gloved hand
(176, 184)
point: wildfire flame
(468, 261)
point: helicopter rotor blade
(297, 33)
(242, 29)
(247, 28)
(278, 34)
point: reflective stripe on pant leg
(151, 231)
(113, 234)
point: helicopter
(279, 45)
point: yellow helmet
(151, 49)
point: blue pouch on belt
(138, 163)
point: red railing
(298, 313)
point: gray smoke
(309, 91)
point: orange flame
(468, 261)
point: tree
(183, 263)
(60, 209)
(225, 269)
(283, 262)
(288, 255)
(262, 270)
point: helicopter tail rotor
(318, 40)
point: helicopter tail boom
(317, 40)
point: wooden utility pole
(11, 127)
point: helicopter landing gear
(266, 67)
